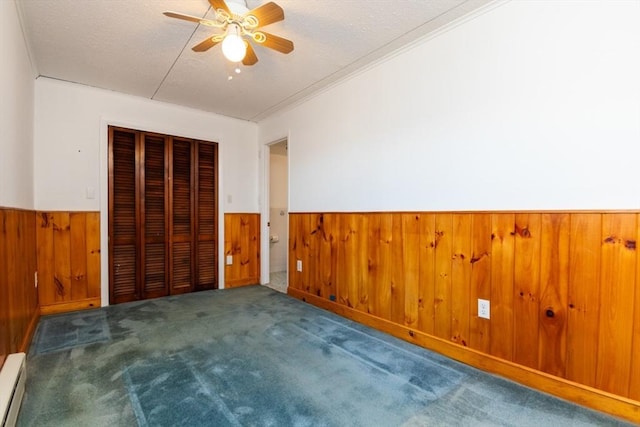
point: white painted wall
(16, 113)
(278, 212)
(527, 105)
(71, 123)
(70, 142)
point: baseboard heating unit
(12, 382)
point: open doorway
(278, 215)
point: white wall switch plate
(229, 259)
(299, 265)
(484, 309)
(91, 193)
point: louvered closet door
(162, 215)
(154, 211)
(207, 209)
(123, 216)
(181, 217)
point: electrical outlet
(299, 265)
(484, 309)
(229, 259)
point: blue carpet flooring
(64, 332)
(255, 357)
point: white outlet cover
(299, 265)
(229, 259)
(484, 309)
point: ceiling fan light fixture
(239, 27)
(233, 46)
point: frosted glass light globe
(233, 48)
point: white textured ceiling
(129, 46)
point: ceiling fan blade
(277, 43)
(181, 16)
(207, 22)
(267, 14)
(205, 45)
(220, 4)
(250, 57)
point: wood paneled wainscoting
(68, 257)
(242, 249)
(18, 294)
(563, 289)
(68, 260)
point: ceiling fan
(239, 25)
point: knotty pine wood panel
(242, 242)
(45, 257)
(442, 279)
(306, 255)
(318, 256)
(554, 277)
(342, 292)
(561, 284)
(379, 279)
(427, 257)
(526, 279)
(461, 278)
(411, 251)
(68, 260)
(327, 256)
(78, 261)
(61, 257)
(502, 259)
(584, 298)
(397, 271)
(315, 266)
(352, 259)
(18, 294)
(92, 223)
(480, 329)
(618, 278)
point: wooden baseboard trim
(31, 329)
(64, 307)
(583, 395)
(242, 282)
